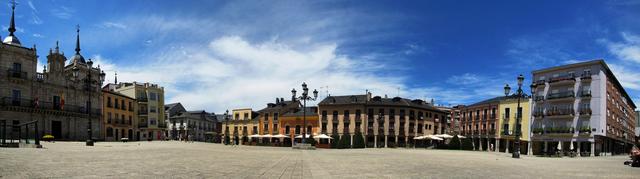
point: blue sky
(229, 54)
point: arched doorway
(130, 134)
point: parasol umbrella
(255, 136)
(571, 146)
(322, 136)
(280, 136)
(434, 138)
(418, 137)
(267, 136)
(559, 145)
(445, 136)
(461, 137)
(300, 136)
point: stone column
(375, 141)
(506, 149)
(385, 141)
(529, 152)
(544, 150)
(593, 149)
(497, 145)
(351, 136)
(396, 140)
(488, 145)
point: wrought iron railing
(560, 95)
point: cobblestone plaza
(205, 160)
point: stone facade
(200, 125)
(62, 104)
(384, 122)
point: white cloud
(628, 50)
(38, 35)
(62, 12)
(113, 25)
(629, 77)
(30, 3)
(232, 72)
(465, 79)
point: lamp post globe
(507, 89)
(520, 79)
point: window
(109, 132)
(275, 117)
(16, 95)
(346, 118)
(108, 118)
(122, 106)
(246, 116)
(152, 109)
(519, 114)
(122, 119)
(152, 121)
(298, 130)
(287, 130)
(130, 106)
(152, 96)
(17, 67)
(130, 120)
(109, 102)
(507, 112)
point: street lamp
(519, 94)
(226, 129)
(304, 97)
(88, 81)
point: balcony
(143, 125)
(585, 76)
(559, 130)
(561, 95)
(538, 113)
(562, 79)
(585, 111)
(143, 112)
(17, 74)
(40, 77)
(585, 93)
(44, 105)
(142, 99)
(538, 98)
(561, 112)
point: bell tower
(55, 63)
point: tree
(227, 140)
(345, 142)
(311, 141)
(467, 144)
(455, 143)
(335, 140)
(358, 141)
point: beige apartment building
(384, 122)
(151, 115)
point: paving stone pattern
(204, 160)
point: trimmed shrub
(455, 143)
(345, 142)
(358, 141)
(466, 144)
(335, 141)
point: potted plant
(48, 138)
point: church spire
(78, 40)
(12, 25)
(12, 39)
(116, 78)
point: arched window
(109, 132)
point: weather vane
(13, 4)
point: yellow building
(120, 117)
(507, 124)
(242, 123)
(151, 115)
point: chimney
(385, 96)
(282, 100)
(277, 100)
(368, 96)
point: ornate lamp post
(304, 97)
(88, 81)
(519, 94)
(226, 128)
